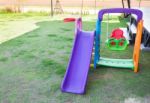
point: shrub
(11, 9)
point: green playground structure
(117, 44)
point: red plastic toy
(116, 40)
(117, 34)
(69, 19)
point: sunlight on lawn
(10, 27)
(14, 29)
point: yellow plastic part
(136, 52)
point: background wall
(76, 3)
(44, 5)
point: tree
(18, 5)
(51, 7)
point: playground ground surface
(34, 53)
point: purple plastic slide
(78, 67)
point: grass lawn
(35, 54)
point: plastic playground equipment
(77, 71)
(117, 41)
(69, 19)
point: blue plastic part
(97, 42)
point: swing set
(119, 63)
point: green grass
(33, 64)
